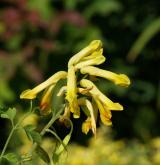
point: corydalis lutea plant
(82, 94)
(79, 93)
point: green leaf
(43, 7)
(149, 32)
(9, 114)
(29, 128)
(70, 4)
(32, 134)
(85, 110)
(14, 42)
(11, 158)
(36, 136)
(59, 149)
(6, 93)
(42, 154)
(56, 136)
(103, 7)
(4, 161)
(58, 101)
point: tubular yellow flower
(97, 94)
(118, 79)
(72, 92)
(93, 46)
(46, 99)
(93, 116)
(32, 93)
(94, 101)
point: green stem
(47, 126)
(14, 127)
(44, 130)
(53, 119)
(7, 142)
(11, 133)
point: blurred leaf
(149, 32)
(12, 158)
(158, 96)
(89, 33)
(110, 88)
(6, 93)
(2, 28)
(42, 154)
(143, 122)
(9, 114)
(119, 66)
(32, 134)
(70, 4)
(14, 42)
(141, 91)
(43, 7)
(103, 7)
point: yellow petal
(94, 45)
(96, 93)
(72, 92)
(95, 54)
(46, 100)
(118, 79)
(32, 93)
(28, 94)
(89, 106)
(105, 120)
(105, 114)
(84, 91)
(95, 61)
(86, 126)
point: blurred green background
(37, 37)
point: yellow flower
(32, 93)
(91, 118)
(118, 79)
(94, 101)
(72, 92)
(104, 104)
(46, 100)
(97, 94)
(93, 46)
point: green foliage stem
(149, 32)
(45, 129)
(15, 127)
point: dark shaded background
(37, 37)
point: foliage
(112, 152)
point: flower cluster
(82, 94)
